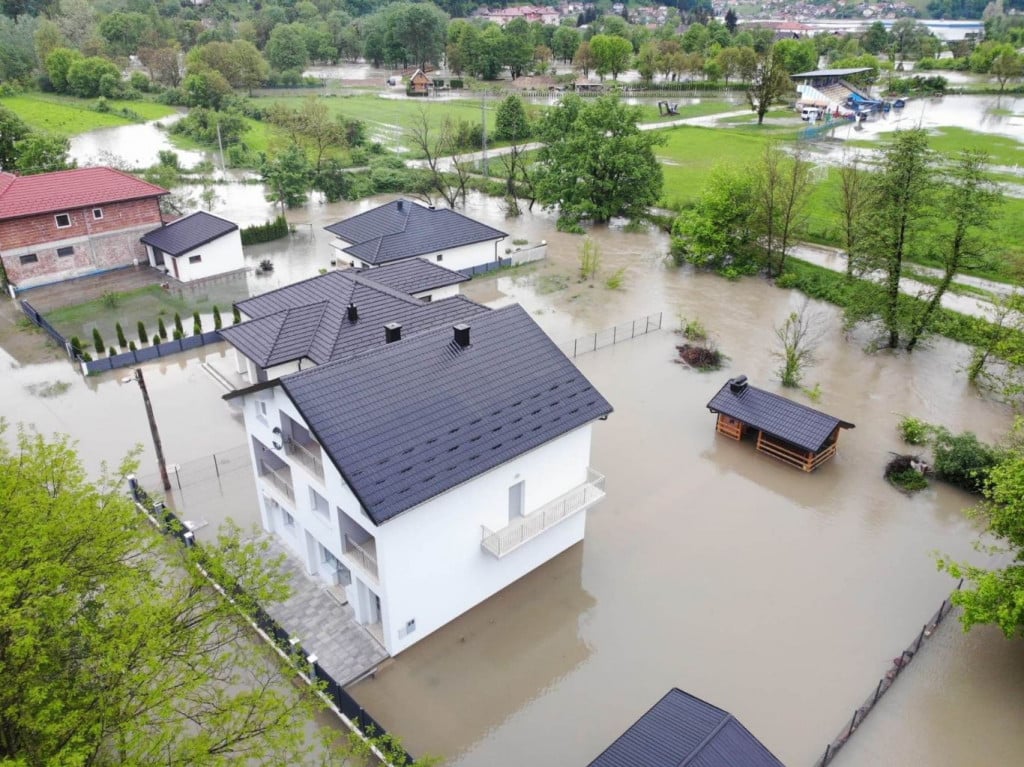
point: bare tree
(782, 187)
(798, 339)
(850, 205)
(438, 147)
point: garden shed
(796, 434)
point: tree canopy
(596, 163)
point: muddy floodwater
(779, 596)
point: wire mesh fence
(610, 336)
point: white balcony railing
(280, 480)
(308, 455)
(501, 542)
(364, 554)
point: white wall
(455, 259)
(221, 255)
(437, 294)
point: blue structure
(681, 729)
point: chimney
(401, 205)
(392, 332)
(353, 313)
(461, 334)
(738, 384)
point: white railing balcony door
(529, 526)
(364, 554)
(309, 455)
(280, 480)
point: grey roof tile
(402, 229)
(681, 729)
(422, 415)
(188, 233)
(413, 275)
(797, 424)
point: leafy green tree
(849, 204)
(312, 126)
(782, 187)
(162, 64)
(85, 75)
(564, 43)
(287, 177)
(875, 39)
(58, 64)
(206, 88)
(123, 31)
(584, 60)
(511, 122)
(517, 48)
(716, 233)
(596, 163)
(1006, 65)
(115, 649)
(768, 81)
(42, 153)
(333, 180)
(797, 341)
(286, 48)
(797, 55)
(12, 129)
(17, 47)
(238, 62)
(141, 330)
(611, 53)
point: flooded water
(136, 146)
(779, 596)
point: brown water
(779, 596)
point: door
(516, 498)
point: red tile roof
(69, 189)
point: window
(440, 256)
(261, 410)
(31, 258)
(63, 220)
(426, 299)
(319, 504)
(288, 519)
(194, 259)
(68, 251)
(97, 213)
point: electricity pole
(152, 427)
(483, 123)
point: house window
(288, 519)
(319, 504)
(194, 259)
(68, 251)
(261, 410)
(63, 220)
(440, 256)
(31, 258)
(426, 299)
(327, 557)
(97, 213)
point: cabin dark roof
(414, 275)
(790, 421)
(188, 233)
(683, 730)
(412, 419)
(830, 73)
(310, 318)
(402, 229)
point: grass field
(1002, 149)
(67, 116)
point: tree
(584, 60)
(311, 126)
(797, 55)
(849, 203)
(900, 196)
(419, 30)
(875, 39)
(113, 647)
(1007, 65)
(85, 75)
(782, 186)
(287, 177)
(797, 340)
(611, 54)
(17, 47)
(768, 81)
(996, 595)
(565, 42)
(123, 31)
(967, 201)
(42, 153)
(238, 62)
(206, 89)
(162, 64)
(716, 233)
(596, 163)
(12, 129)
(58, 64)
(449, 174)
(731, 21)
(511, 122)
(286, 48)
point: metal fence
(613, 335)
(305, 665)
(886, 682)
(124, 359)
(490, 266)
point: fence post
(615, 335)
(574, 347)
(878, 691)
(828, 753)
(647, 324)
(632, 333)
(216, 468)
(920, 638)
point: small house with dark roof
(195, 246)
(420, 279)
(401, 230)
(421, 456)
(681, 729)
(796, 434)
(72, 223)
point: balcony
(529, 526)
(364, 554)
(308, 454)
(281, 479)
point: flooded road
(779, 596)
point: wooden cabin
(419, 82)
(796, 434)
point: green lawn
(1002, 149)
(650, 114)
(68, 116)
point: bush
(902, 472)
(197, 324)
(178, 334)
(97, 341)
(111, 351)
(962, 460)
(121, 340)
(914, 431)
(161, 328)
(76, 345)
(694, 329)
(132, 347)
(703, 358)
(216, 318)
(271, 230)
(236, 315)
(143, 337)
(177, 324)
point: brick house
(54, 226)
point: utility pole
(483, 124)
(152, 427)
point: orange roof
(69, 189)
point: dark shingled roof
(414, 275)
(188, 233)
(403, 229)
(410, 420)
(683, 730)
(830, 72)
(310, 318)
(797, 424)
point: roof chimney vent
(392, 332)
(738, 384)
(353, 313)
(401, 205)
(461, 334)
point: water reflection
(135, 146)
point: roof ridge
(708, 738)
(340, 272)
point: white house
(421, 279)
(196, 246)
(402, 230)
(427, 472)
